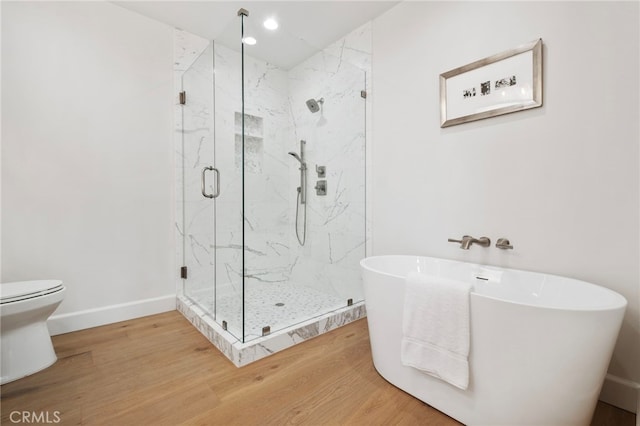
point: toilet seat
(17, 291)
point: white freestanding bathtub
(540, 344)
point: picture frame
(500, 84)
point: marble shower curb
(242, 354)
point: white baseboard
(621, 392)
(74, 321)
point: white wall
(560, 181)
(87, 166)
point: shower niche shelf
(253, 142)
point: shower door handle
(204, 172)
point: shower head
(296, 156)
(313, 106)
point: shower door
(197, 159)
(212, 194)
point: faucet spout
(467, 241)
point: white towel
(435, 328)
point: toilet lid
(12, 292)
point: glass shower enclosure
(271, 186)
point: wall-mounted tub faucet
(468, 240)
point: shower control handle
(204, 172)
(321, 187)
(504, 244)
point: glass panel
(287, 282)
(267, 274)
(197, 153)
(228, 136)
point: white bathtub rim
(620, 305)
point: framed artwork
(500, 84)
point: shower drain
(279, 304)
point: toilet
(25, 343)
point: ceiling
(306, 26)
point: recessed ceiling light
(270, 24)
(249, 41)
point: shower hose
(304, 230)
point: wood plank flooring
(159, 370)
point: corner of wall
(621, 393)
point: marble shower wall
(336, 229)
